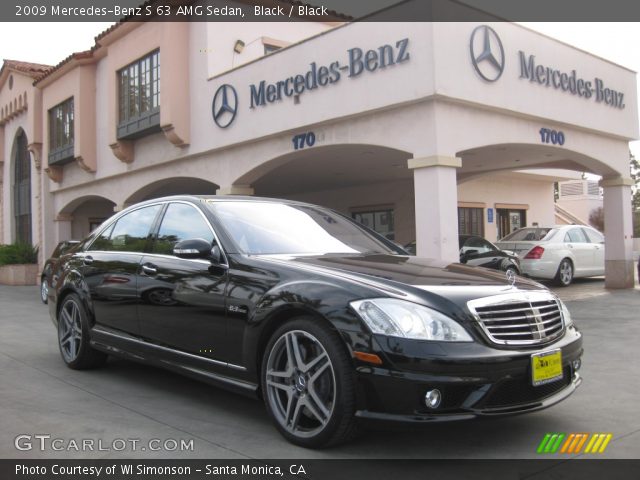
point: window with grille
(61, 133)
(471, 221)
(22, 190)
(139, 97)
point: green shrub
(636, 224)
(18, 253)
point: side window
(180, 222)
(575, 235)
(478, 244)
(130, 232)
(593, 236)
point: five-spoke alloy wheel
(73, 336)
(564, 276)
(307, 384)
(44, 291)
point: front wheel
(308, 384)
(73, 336)
(564, 276)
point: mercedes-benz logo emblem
(487, 54)
(511, 277)
(225, 105)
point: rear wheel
(44, 290)
(73, 336)
(564, 275)
(308, 384)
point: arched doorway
(22, 189)
(172, 186)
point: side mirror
(215, 255)
(193, 248)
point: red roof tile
(32, 69)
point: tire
(310, 396)
(564, 275)
(73, 336)
(44, 290)
(512, 269)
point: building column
(436, 203)
(618, 254)
(63, 227)
(236, 190)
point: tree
(634, 171)
(634, 168)
(596, 218)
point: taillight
(535, 253)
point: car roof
(223, 198)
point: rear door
(110, 268)
(576, 242)
(596, 240)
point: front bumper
(475, 381)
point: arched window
(22, 189)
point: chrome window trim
(165, 202)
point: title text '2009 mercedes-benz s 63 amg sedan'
(323, 319)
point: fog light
(432, 398)
(577, 364)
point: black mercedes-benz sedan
(324, 320)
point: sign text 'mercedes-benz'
(359, 61)
(569, 82)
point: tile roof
(34, 70)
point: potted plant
(18, 264)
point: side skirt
(207, 370)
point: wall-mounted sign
(224, 106)
(303, 140)
(569, 82)
(488, 60)
(489, 215)
(554, 137)
(487, 53)
(358, 62)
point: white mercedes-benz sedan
(559, 253)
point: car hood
(454, 281)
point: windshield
(269, 228)
(530, 235)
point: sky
(49, 43)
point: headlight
(566, 315)
(398, 318)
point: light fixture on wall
(239, 46)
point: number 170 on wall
(304, 140)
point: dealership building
(419, 130)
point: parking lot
(39, 395)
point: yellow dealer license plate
(546, 367)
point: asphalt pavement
(126, 401)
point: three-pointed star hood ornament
(487, 53)
(225, 105)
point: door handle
(149, 269)
(87, 260)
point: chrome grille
(519, 318)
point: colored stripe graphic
(550, 443)
(573, 443)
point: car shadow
(241, 423)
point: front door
(182, 301)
